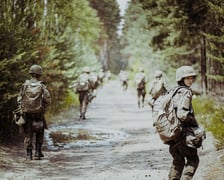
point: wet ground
(116, 142)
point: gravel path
(122, 145)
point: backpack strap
(26, 83)
(176, 89)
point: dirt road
(116, 142)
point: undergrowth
(70, 101)
(211, 115)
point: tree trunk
(104, 55)
(203, 65)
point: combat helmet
(86, 69)
(141, 69)
(158, 74)
(184, 71)
(36, 69)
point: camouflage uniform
(101, 75)
(31, 117)
(123, 76)
(141, 91)
(84, 95)
(157, 87)
(178, 148)
(94, 84)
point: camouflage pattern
(141, 91)
(86, 69)
(101, 76)
(46, 94)
(123, 76)
(156, 88)
(94, 80)
(36, 69)
(37, 117)
(178, 148)
(84, 95)
(141, 96)
(184, 71)
(29, 132)
(180, 168)
(83, 101)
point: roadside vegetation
(210, 114)
(65, 36)
(62, 37)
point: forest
(64, 36)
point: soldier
(83, 88)
(101, 76)
(140, 80)
(123, 76)
(33, 99)
(94, 83)
(157, 87)
(179, 148)
(108, 75)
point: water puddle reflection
(66, 137)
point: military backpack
(140, 81)
(167, 124)
(32, 97)
(83, 83)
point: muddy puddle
(73, 136)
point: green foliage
(59, 35)
(188, 33)
(108, 13)
(72, 99)
(203, 105)
(135, 37)
(211, 116)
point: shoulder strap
(27, 82)
(176, 89)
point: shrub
(211, 116)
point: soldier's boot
(138, 104)
(83, 116)
(38, 152)
(90, 98)
(143, 104)
(29, 154)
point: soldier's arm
(165, 85)
(151, 85)
(19, 98)
(184, 109)
(46, 97)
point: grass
(211, 115)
